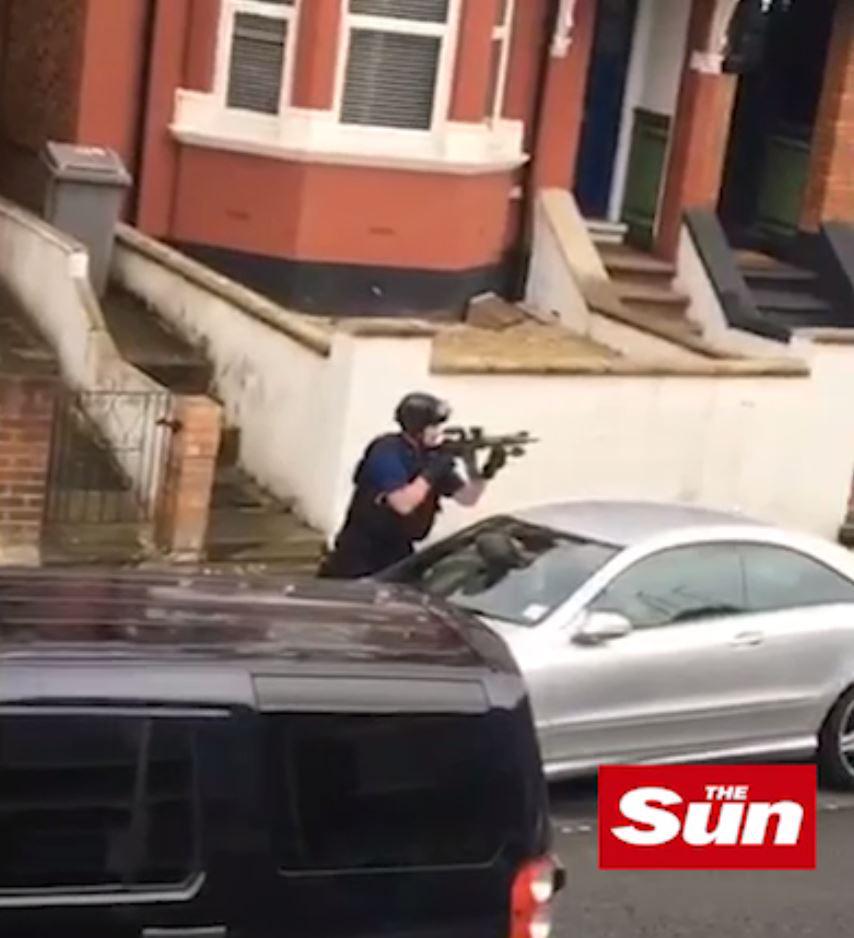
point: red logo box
(707, 817)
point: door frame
(630, 77)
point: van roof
(228, 619)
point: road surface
(702, 905)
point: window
(356, 793)
(778, 578)
(676, 586)
(260, 56)
(505, 569)
(500, 58)
(395, 59)
(100, 802)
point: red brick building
(382, 155)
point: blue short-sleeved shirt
(374, 536)
(392, 462)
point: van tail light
(535, 886)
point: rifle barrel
(462, 441)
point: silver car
(662, 633)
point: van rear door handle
(212, 931)
(748, 639)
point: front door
(603, 105)
(779, 91)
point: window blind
(391, 79)
(257, 63)
(428, 11)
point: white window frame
(448, 33)
(225, 49)
(503, 33)
(317, 135)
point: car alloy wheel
(846, 738)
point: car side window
(96, 802)
(778, 578)
(677, 586)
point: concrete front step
(797, 319)
(778, 273)
(603, 231)
(145, 341)
(235, 490)
(687, 328)
(783, 301)
(247, 537)
(631, 263)
(248, 525)
(125, 544)
(644, 283)
(654, 301)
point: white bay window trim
(229, 13)
(503, 33)
(317, 136)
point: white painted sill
(307, 136)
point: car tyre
(836, 744)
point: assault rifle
(465, 442)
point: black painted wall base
(354, 290)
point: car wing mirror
(598, 628)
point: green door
(783, 184)
(648, 154)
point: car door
(675, 685)
(801, 617)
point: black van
(196, 757)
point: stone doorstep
(628, 261)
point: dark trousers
(355, 558)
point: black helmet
(416, 412)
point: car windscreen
(505, 569)
(395, 791)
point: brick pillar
(159, 170)
(184, 509)
(26, 422)
(109, 82)
(473, 69)
(317, 54)
(202, 36)
(830, 187)
(562, 107)
(701, 129)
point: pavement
(702, 905)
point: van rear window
(374, 792)
(93, 802)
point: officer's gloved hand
(496, 462)
(439, 466)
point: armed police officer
(400, 483)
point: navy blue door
(603, 105)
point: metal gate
(108, 456)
